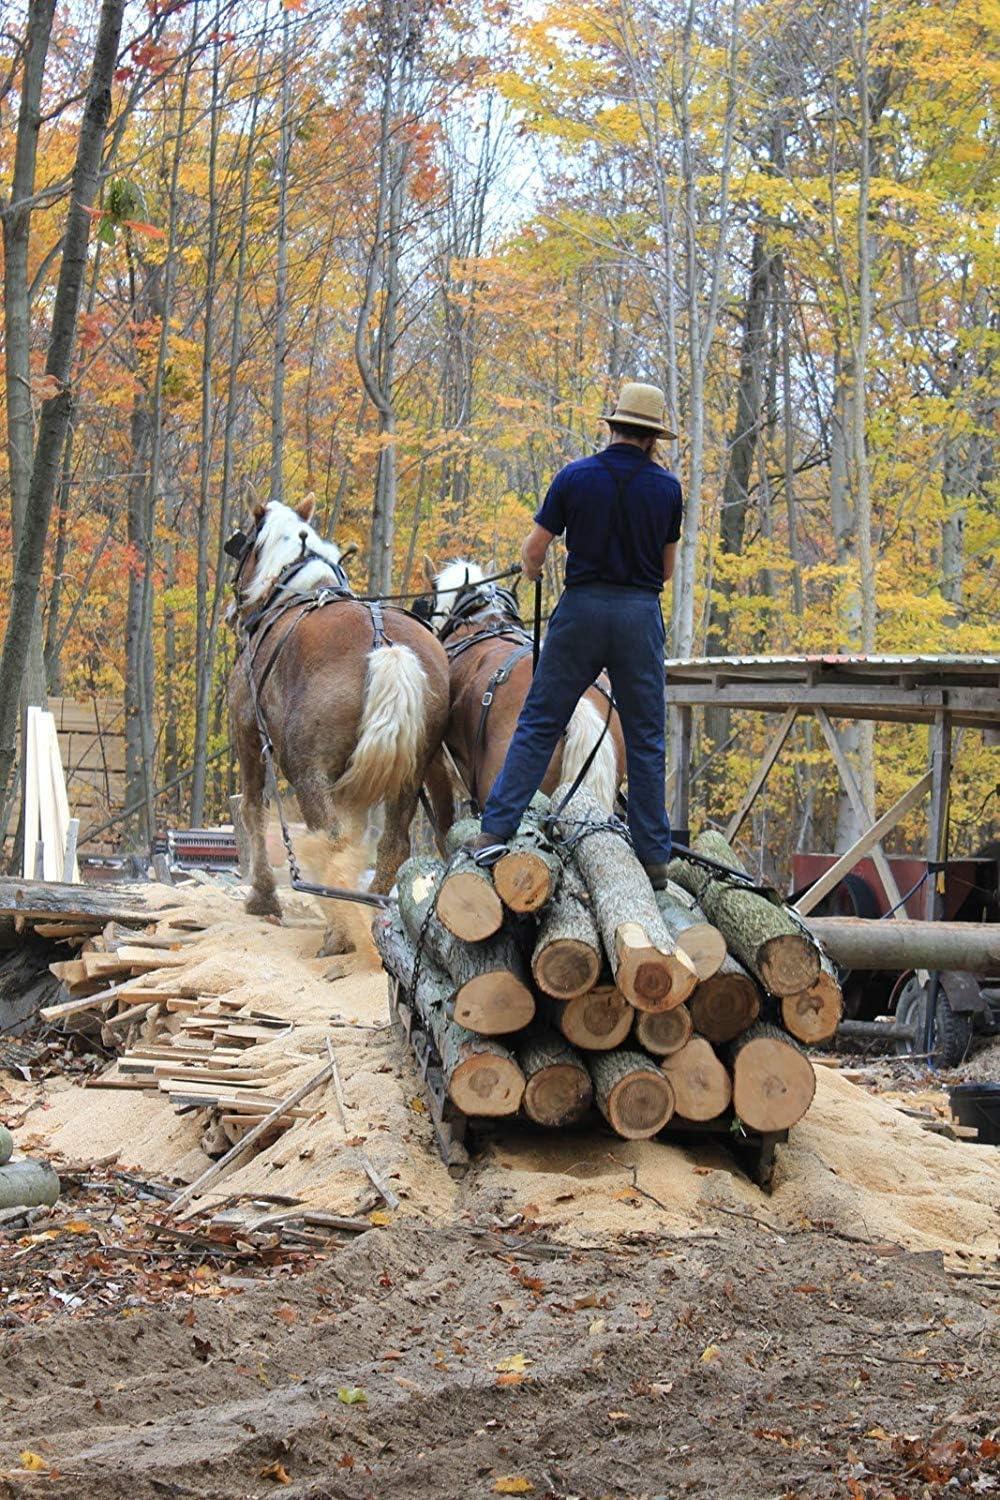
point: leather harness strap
(498, 679)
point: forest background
(401, 254)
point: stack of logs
(559, 979)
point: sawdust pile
(985, 1066)
(854, 1164)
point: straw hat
(642, 406)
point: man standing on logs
(621, 512)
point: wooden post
(761, 774)
(858, 803)
(937, 833)
(681, 814)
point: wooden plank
(46, 900)
(752, 792)
(853, 791)
(53, 835)
(976, 707)
(29, 790)
(61, 870)
(860, 848)
(937, 831)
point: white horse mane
(448, 584)
(280, 537)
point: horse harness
(508, 628)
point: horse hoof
(335, 943)
(260, 905)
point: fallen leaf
(408, 1385)
(619, 1416)
(589, 1299)
(345, 1461)
(712, 1352)
(352, 1395)
(287, 1314)
(392, 1354)
(277, 1472)
(627, 1195)
(662, 1388)
(879, 1433)
(379, 1218)
(33, 1461)
(513, 1362)
(805, 1289)
(989, 1448)
(511, 1378)
(644, 1310)
(78, 1226)
(513, 1484)
(418, 1106)
(597, 1326)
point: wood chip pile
(560, 980)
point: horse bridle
(242, 547)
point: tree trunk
(703, 944)
(567, 957)
(596, 1022)
(773, 1079)
(492, 994)
(481, 1076)
(726, 1004)
(763, 936)
(558, 1090)
(633, 1095)
(55, 410)
(853, 943)
(701, 1085)
(664, 1031)
(645, 963)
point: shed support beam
(858, 850)
(858, 803)
(763, 771)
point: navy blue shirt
(619, 510)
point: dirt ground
(578, 1316)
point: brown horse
(489, 653)
(354, 700)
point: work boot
(485, 848)
(657, 875)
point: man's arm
(533, 551)
(669, 558)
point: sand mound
(854, 1163)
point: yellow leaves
(513, 1364)
(513, 1484)
(709, 1355)
(379, 1218)
(352, 1395)
(34, 1462)
(417, 1105)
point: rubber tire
(952, 1032)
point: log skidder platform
(594, 997)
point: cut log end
(523, 880)
(701, 1085)
(469, 906)
(634, 1096)
(567, 968)
(665, 1031)
(725, 1005)
(486, 1085)
(773, 1079)
(650, 978)
(789, 963)
(558, 1095)
(705, 946)
(494, 1004)
(813, 1015)
(598, 1021)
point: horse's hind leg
(394, 845)
(262, 900)
(314, 791)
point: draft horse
(353, 697)
(489, 656)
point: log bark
(813, 1015)
(633, 1095)
(692, 932)
(597, 1022)
(645, 963)
(773, 1079)
(481, 1076)
(701, 1085)
(567, 957)
(6, 1145)
(27, 1184)
(43, 900)
(492, 994)
(726, 1004)
(854, 943)
(665, 1031)
(764, 936)
(558, 1090)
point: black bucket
(978, 1105)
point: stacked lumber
(50, 834)
(559, 980)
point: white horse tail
(582, 733)
(384, 760)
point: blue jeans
(597, 626)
